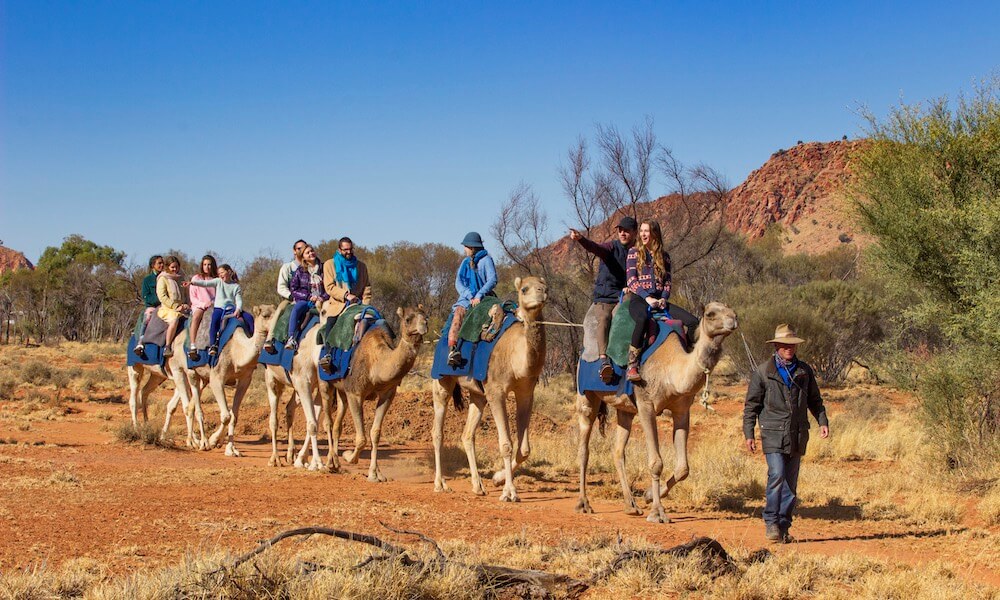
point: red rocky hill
(803, 189)
(12, 260)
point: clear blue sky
(241, 126)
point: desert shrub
(989, 506)
(7, 389)
(36, 373)
(145, 433)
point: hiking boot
(326, 364)
(268, 347)
(193, 354)
(292, 345)
(607, 372)
(772, 533)
(454, 357)
(632, 373)
(786, 538)
(139, 351)
(213, 350)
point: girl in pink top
(202, 299)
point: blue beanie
(473, 240)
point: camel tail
(602, 418)
(456, 396)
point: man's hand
(752, 445)
(824, 431)
(574, 234)
(475, 301)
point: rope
(704, 393)
(746, 347)
(559, 323)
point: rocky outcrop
(12, 260)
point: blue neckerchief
(347, 270)
(467, 273)
(786, 369)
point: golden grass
(323, 568)
(989, 506)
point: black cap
(628, 223)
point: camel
(377, 369)
(235, 366)
(306, 384)
(515, 366)
(671, 378)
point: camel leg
(171, 407)
(289, 423)
(134, 386)
(195, 383)
(146, 391)
(338, 421)
(328, 395)
(475, 416)
(682, 424)
(380, 409)
(586, 414)
(304, 389)
(622, 433)
(273, 399)
(360, 434)
(498, 406)
(441, 398)
(525, 399)
(180, 394)
(242, 384)
(647, 419)
(219, 391)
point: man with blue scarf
(345, 278)
(476, 278)
(781, 395)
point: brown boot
(632, 372)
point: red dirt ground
(71, 490)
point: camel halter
(703, 400)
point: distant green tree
(928, 189)
(78, 250)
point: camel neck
(707, 350)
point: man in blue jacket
(781, 395)
(609, 284)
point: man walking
(609, 284)
(782, 392)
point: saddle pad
(475, 355)
(620, 334)
(282, 356)
(156, 331)
(203, 329)
(341, 363)
(225, 335)
(588, 378)
(154, 354)
(475, 317)
(341, 335)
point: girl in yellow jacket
(172, 306)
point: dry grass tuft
(989, 506)
(145, 433)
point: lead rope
(746, 347)
(705, 393)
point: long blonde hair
(655, 248)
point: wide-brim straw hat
(784, 334)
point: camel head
(262, 314)
(412, 322)
(718, 320)
(532, 292)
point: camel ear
(255, 311)
(399, 311)
(542, 279)
(517, 283)
(420, 307)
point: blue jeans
(782, 481)
(299, 310)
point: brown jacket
(783, 413)
(336, 304)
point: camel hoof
(510, 495)
(499, 478)
(583, 506)
(351, 457)
(441, 486)
(377, 478)
(315, 466)
(658, 515)
(478, 489)
(232, 451)
(274, 462)
(633, 511)
(298, 464)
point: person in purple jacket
(609, 284)
(307, 291)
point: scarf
(467, 272)
(786, 368)
(173, 288)
(347, 270)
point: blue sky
(241, 126)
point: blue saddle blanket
(282, 356)
(475, 355)
(588, 377)
(154, 354)
(204, 358)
